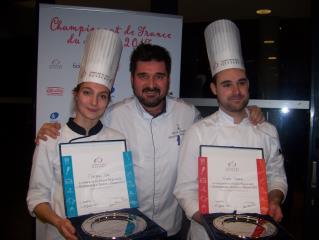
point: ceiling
(201, 10)
(21, 13)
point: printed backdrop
(62, 31)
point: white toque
(102, 52)
(223, 46)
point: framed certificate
(232, 179)
(97, 176)
(100, 192)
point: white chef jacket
(46, 181)
(155, 143)
(220, 129)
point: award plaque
(113, 225)
(100, 192)
(243, 226)
(233, 196)
(123, 224)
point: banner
(61, 36)
(62, 32)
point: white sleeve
(186, 188)
(276, 175)
(197, 115)
(41, 177)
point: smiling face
(91, 100)
(232, 90)
(150, 83)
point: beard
(154, 101)
(233, 107)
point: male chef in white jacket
(229, 126)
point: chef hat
(223, 46)
(101, 57)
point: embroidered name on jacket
(177, 134)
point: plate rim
(128, 216)
(255, 218)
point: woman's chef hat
(101, 57)
(223, 46)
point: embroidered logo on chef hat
(223, 46)
(102, 52)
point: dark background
(293, 76)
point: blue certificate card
(97, 176)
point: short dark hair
(77, 88)
(148, 52)
(214, 79)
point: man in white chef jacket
(229, 126)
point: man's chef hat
(101, 57)
(223, 46)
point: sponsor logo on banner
(55, 64)
(76, 65)
(54, 116)
(55, 91)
